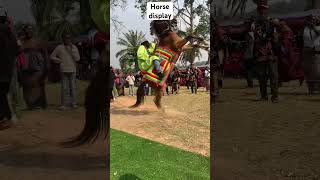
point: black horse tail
(97, 105)
(140, 95)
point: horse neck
(173, 42)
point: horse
(170, 46)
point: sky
(18, 9)
(132, 20)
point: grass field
(170, 145)
(134, 158)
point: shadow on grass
(129, 177)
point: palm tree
(131, 41)
(55, 16)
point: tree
(194, 14)
(313, 4)
(54, 17)
(131, 42)
(115, 4)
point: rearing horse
(169, 48)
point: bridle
(167, 25)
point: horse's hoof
(134, 106)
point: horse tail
(97, 105)
(140, 95)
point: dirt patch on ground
(184, 123)
(30, 150)
(261, 140)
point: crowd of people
(130, 80)
(270, 51)
(25, 63)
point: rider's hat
(144, 41)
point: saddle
(150, 76)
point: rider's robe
(145, 62)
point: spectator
(207, 78)
(34, 76)
(67, 55)
(130, 79)
(113, 81)
(146, 89)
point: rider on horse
(167, 52)
(146, 58)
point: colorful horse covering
(150, 76)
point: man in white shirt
(207, 76)
(311, 49)
(67, 54)
(130, 79)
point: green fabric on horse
(100, 13)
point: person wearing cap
(8, 50)
(145, 58)
(266, 64)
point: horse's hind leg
(158, 97)
(140, 96)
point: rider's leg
(156, 64)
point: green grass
(135, 158)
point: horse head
(161, 27)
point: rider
(146, 58)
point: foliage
(194, 14)
(131, 42)
(54, 17)
(100, 12)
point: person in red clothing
(266, 63)
(290, 67)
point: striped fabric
(166, 65)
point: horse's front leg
(158, 97)
(140, 95)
